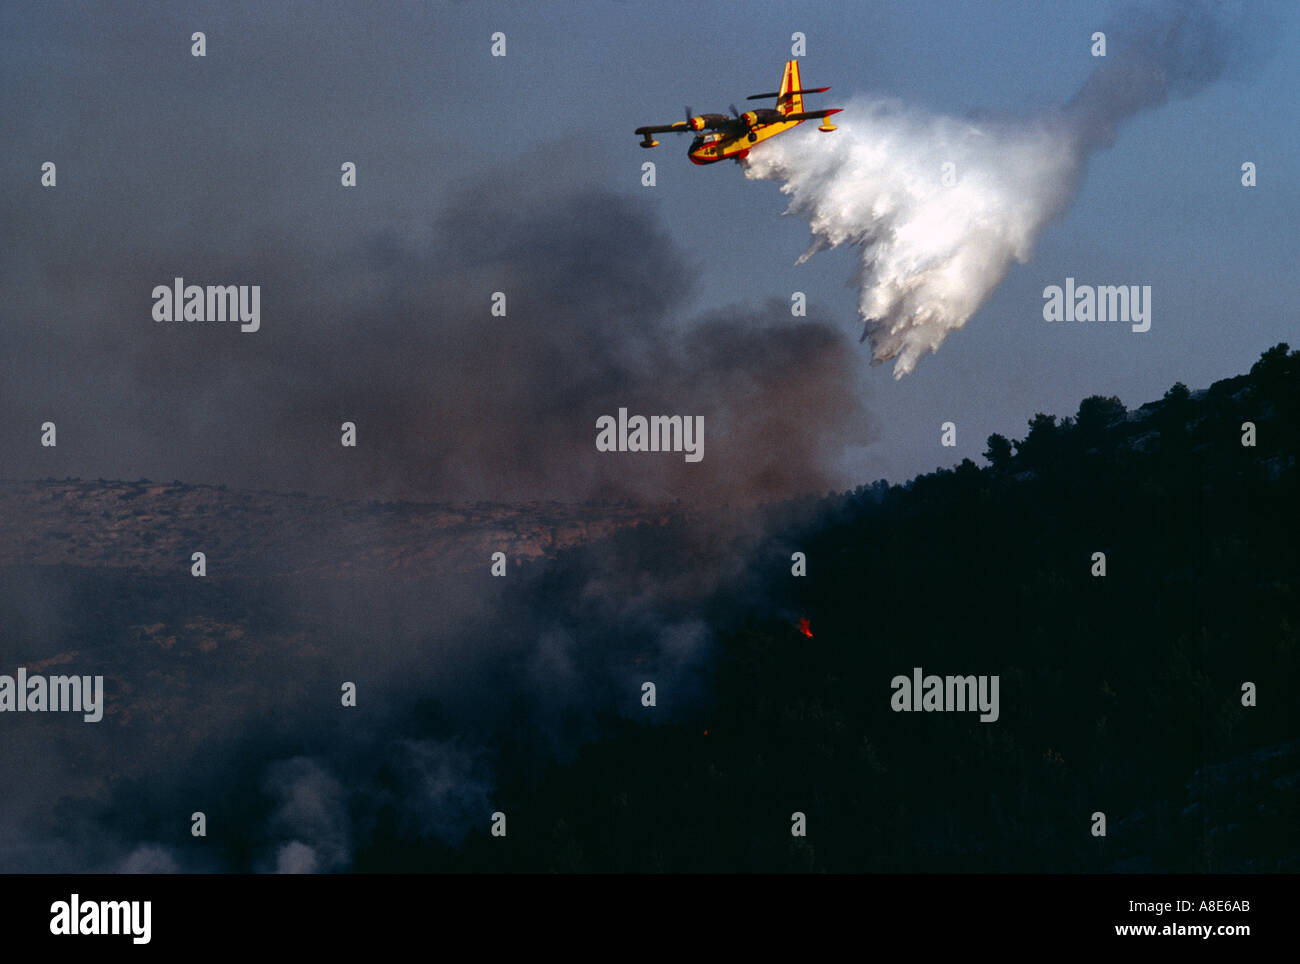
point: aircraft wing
(812, 114)
(663, 128)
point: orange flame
(804, 628)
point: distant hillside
(156, 527)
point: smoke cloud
(312, 814)
(940, 207)
(395, 335)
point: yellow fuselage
(711, 148)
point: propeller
(735, 113)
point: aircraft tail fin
(790, 99)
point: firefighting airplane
(732, 137)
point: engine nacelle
(750, 118)
(702, 121)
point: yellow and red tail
(786, 101)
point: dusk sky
(218, 167)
